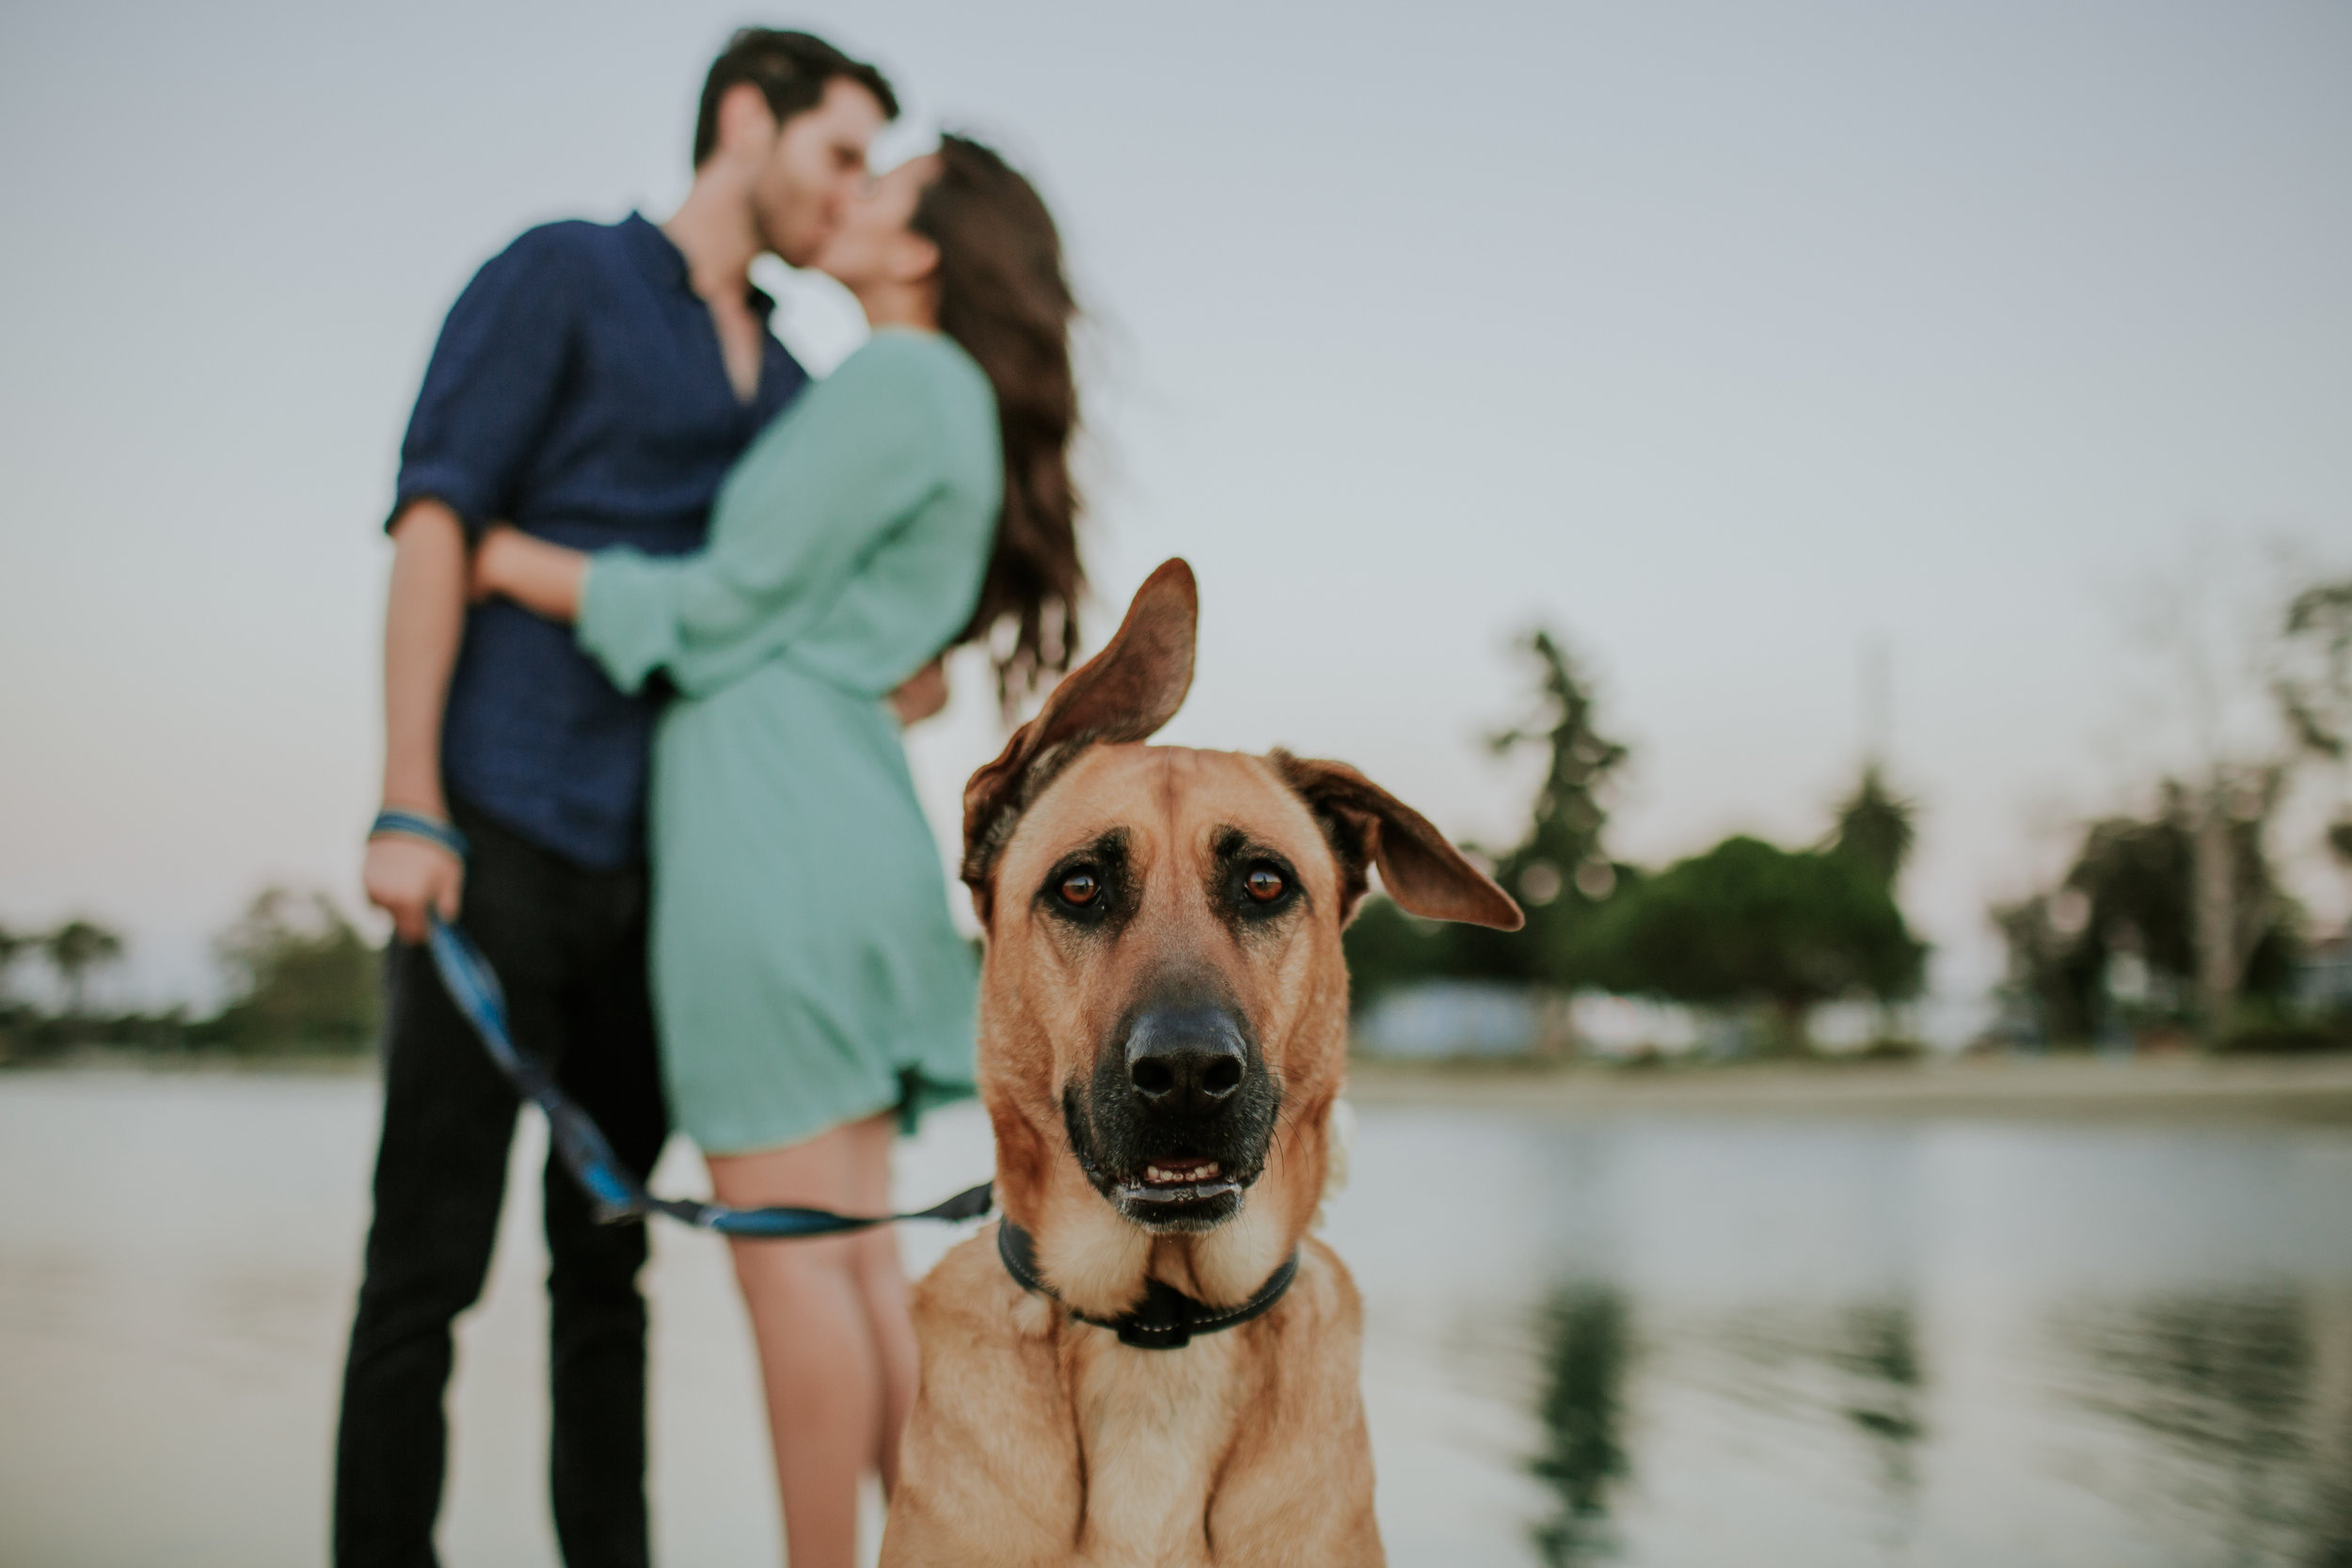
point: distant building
(1451, 1018)
(1490, 1018)
(2323, 981)
(1440, 1019)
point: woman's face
(874, 244)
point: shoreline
(2302, 1091)
(2315, 1091)
(132, 1061)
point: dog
(1148, 1360)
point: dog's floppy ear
(1123, 694)
(1368, 826)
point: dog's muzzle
(1178, 1115)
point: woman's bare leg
(828, 1367)
(882, 1294)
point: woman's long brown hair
(1002, 296)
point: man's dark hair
(790, 70)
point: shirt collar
(665, 263)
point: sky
(1732, 340)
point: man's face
(814, 168)
(873, 241)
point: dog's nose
(1185, 1059)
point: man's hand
(410, 879)
(924, 693)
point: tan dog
(1163, 1034)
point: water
(1774, 1341)
(1661, 1341)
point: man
(592, 384)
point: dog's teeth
(1161, 1174)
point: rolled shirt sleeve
(492, 383)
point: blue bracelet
(413, 825)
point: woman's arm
(803, 508)
(922, 694)
(542, 577)
(547, 579)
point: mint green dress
(805, 970)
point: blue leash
(581, 1144)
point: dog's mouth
(1163, 1192)
(1179, 1182)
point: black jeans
(569, 946)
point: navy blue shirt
(577, 391)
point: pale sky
(1725, 338)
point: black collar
(1168, 1318)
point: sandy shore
(2309, 1090)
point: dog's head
(1165, 1000)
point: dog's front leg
(1298, 1489)
(989, 1472)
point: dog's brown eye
(1080, 887)
(1264, 884)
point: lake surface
(1664, 1341)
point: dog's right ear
(1368, 826)
(1124, 694)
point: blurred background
(1847, 509)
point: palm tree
(1875, 827)
(75, 949)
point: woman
(811, 989)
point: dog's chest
(1154, 1428)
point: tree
(75, 949)
(13, 1013)
(12, 945)
(2180, 916)
(1562, 853)
(1748, 921)
(1559, 870)
(300, 973)
(2255, 688)
(1874, 832)
(2049, 971)
(2123, 927)
(2311, 680)
(1387, 949)
(1874, 828)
